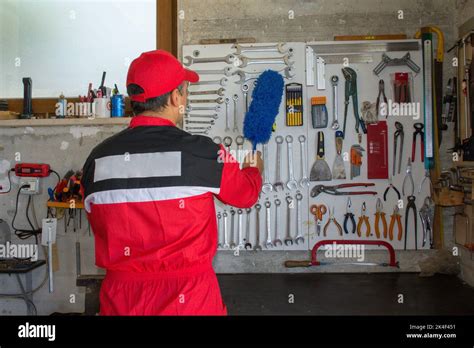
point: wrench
(235, 98)
(245, 92)
(278, 185)
(280, 47)
(239, 140)
(229, 59)
(248, 245)
(223, 82)
(292, 184)
(227, 126)
(299, 235)
(219, 100)
(239, 230)
(214, 116)
(267, 186)
(245, 61)
(206, 132)
(197, 128)
(335, 122)
(245, 76)
(304, 182)
(257, 246)
(227, 143)
(226, 71)
(226, 235)
(219, 92)
(277, 241)
(217, 140)
(268, 224)
(288, 239)
(211, 122)
(216, 108)
(232, 214)
(219, 217)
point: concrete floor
(345, 294)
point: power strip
(33, 188)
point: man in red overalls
(149, 196)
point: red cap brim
(191, 76)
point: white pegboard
(367, 90)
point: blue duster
(265, 105)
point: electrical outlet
(34, 186)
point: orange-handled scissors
(318, 210)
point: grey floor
(346, 294)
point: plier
(391, 186)
(380, 215)
(409, 177)
(333, 190)
(349, 216)
(333, 220)
(363, 219)
(418, 130)
(411, 206)
(351, 91)
(384, 97)
(395, 218)
(426, 215)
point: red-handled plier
(418, 130)
(333, 190)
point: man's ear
(174, 98)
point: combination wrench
(223, 82)
(226, 235)
(241, 244)
(227, 143)
(190, 108)
(277, 242)
(257, 246)
(299, 231)
(240, 140)
(210, 122)
(235, 98)
(278, 185)
(335, 122)
(245, 93)
(304, 182)
(268, 225)
(248, 245)
(227, 125)
(292, 184)
(219, 229)
(220, 92)
(188, 60)
(219, 100)
(267, 186)
(213, 116)
(232, 224)
(289, 205)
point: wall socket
(34, 186)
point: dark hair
(152, 104)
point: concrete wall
(265, 20)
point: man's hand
(253, 159)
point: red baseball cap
(157, 72)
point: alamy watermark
(19, 251)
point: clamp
(363, 219)
(384, 97)
(411, 206)
(349, 216)
(418, 130)
(399, 133)
(380, 215)
(333, 220)
(395, 217)
(350, 90)
(409, 177)
(391, 186)
(334, 190)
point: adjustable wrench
(219, 218)
(223, 82)
(277, 241)
(280, 47)
(226, 235)
(268, 225)
(278, 185)
(299, 235)
(289, 204)
(335, 122)
(232, 214)
(248, 245)
(292, 184)
(188, 60)
(226, 71)
(227, 125)
(239, 230)
(235, 98)
(267, 186)
(304, 182)
(257, 246)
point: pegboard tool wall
(367, 86)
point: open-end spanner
(240, 244)
(304, 182)
(188, 60)
(277, 242)
(220, 92)
(245, 61)
(219, 229)
(213, 116)
(190, 108)
(289, 206)
(299, 221)
(235, 98)
(232, 224)
(210, 122)
(219, 100)
(248, 245)
(335, 122)
(278, 185)
(226, 234)
(257, 246)
(267, 186)
(240, 140)
(227, 71)
(245, 76)
(223, 82)
(197, 128)
(227, 123)
(292, 184)
(268, 225)
(280, 48)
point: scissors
(318, 211)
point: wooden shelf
(66, 205)
(45, 122)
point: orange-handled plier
(380, 215)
